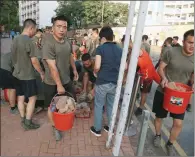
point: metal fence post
(143, 132)
(130, 76)
(121, 72)
(133, 99)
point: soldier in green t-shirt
(24, 61)
(57, 58)
(8, 81)
(177, 65)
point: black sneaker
(106, 128)
(138, 112)
(96, 133)
(189, 108)
(31, 126)
(57, 134)
(170, 150)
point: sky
(47, 12)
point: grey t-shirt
(60, 52)
(6, 62)
(146, 47)
(22, 50)
(179, 67)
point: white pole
(121, 72)
(131, 75)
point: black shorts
(51, 90)
(27, 88)
(160, 111)
(7, 80)
(146, 85)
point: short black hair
(144, 37)
(40, 30)
(60, 18)
(85, 35)
(123, 39)
(85, 57)
(107, 33)
(29, 22)
(176, 37)
(188, 33)
(169, 40)
(95, 30)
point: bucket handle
(61, 95)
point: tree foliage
(90, 12)
(9, 14)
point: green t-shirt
(22, 50)
(146, 47)
(179, 67)
(60, 52)
(6, 62)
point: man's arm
(85, 81)
(72, 63)
(34, 59)
(97, 66)
(54, 71)
(36, 65)
(161, 71)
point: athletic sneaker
(106, 128)
(30, 126)
(189, 108)
(157, 141)
(96, 133)
(57, 134)
(138, 112)
(14, 111)
(170, 150)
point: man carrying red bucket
(177, 65)
(57, 58)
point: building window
(185, 6)
(170, 23)
(182, 23)
(190, 23)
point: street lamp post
(102, 13)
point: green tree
(73, 10)
(90, 12)
(9, 14)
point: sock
(12, 108)
(169, 143)
(22, 119)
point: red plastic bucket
(176, 101)
(63, 122)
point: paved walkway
(76, 142)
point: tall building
(167, 12)
(178, 12)
(40, 11)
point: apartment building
(29, 9)
(40, 11)
(178, 12)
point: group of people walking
(50, 55)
